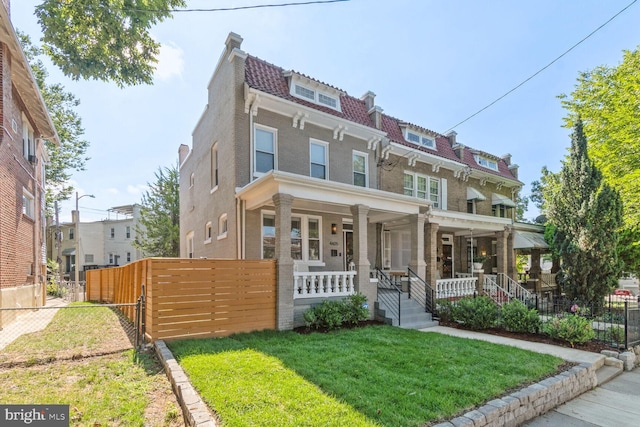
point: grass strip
(391, 376)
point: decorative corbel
(499, 185)
(483, 182)
(254, 106)
(514, 191)
(296, 119)
(413, 159)
(385, 152)
(248, 101)
(372, 143)
(435, 168)
(336, 131)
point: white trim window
(316, 96)
(222, 226)
(214, 167)
(318, 159)
(422, 187)
(189, 240)
(306, 237)
(265, 150)
(28, 204)
(208, 232)
(486, 162)
(420, 139)
(128, 231)
(128, 256)
(72, 233)
(28, 140)
(360, 169)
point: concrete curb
(194, 410)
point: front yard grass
(65, 363)
(378, 375)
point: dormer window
(313, 91)
(486, 162)
(420, 139)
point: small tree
(159, 231)
(587, 214)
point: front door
(348, 248)
(447, 261)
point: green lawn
(379, 375)
(121, 388)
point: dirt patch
(592, 346)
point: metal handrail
(389, 293)
(420, 291)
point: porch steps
(412, 314)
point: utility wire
(543, 68)
(226, 9)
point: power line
(543, 68)
(226, 9)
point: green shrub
(615, 334)
(572, 328)
(445, 310)
(332, 314)
(517, 317)
(476, 313)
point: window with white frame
(486, 162)
(128, 232)
(264, 158)
(128, 256)
(214, 166)
(306, 237)
(360, 168)
(72, 233)
(316, 96)
(110, 258)
(420, 139)
(28, 140)
(222, 226)
(88, 258)
(318, 159)
(422, 187)
(112, 232)
(28, 204)
(396, 253)
(208, 232)
(189, 240)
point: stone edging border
(511, 410)
(194, 410)
(532, 401)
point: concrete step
(419, 325)
(607, 373)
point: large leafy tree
(159, 231)
(587, 214)
(607, 99)
(104, 39)
(70, 155)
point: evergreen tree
(159, 230)
(587, 214)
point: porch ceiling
(317, 195)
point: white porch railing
(454, 288)
(323, 284)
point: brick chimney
(369, 100)
(183, 152)
(507, 159)
(451, 136)
(514, 170)
(375, 112)
(233, 41)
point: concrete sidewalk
(615, 403)
(30, 321)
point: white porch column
(502, 252)
(360, 257)
(284, 303)
(417, 263)
(431, 249)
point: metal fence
(68, 290)
(60, 331)
(615, 322)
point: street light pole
(76, 220)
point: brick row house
(287, 167)
(25, 123)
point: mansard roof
(271, 79)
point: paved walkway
(30, 321)
(613, 404)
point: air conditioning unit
(33, 159)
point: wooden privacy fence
(192, 298)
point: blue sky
(432, 63)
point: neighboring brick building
(285, 166)
(25, 122)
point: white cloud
(113, 191)
(170, 62)
(137, 189)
